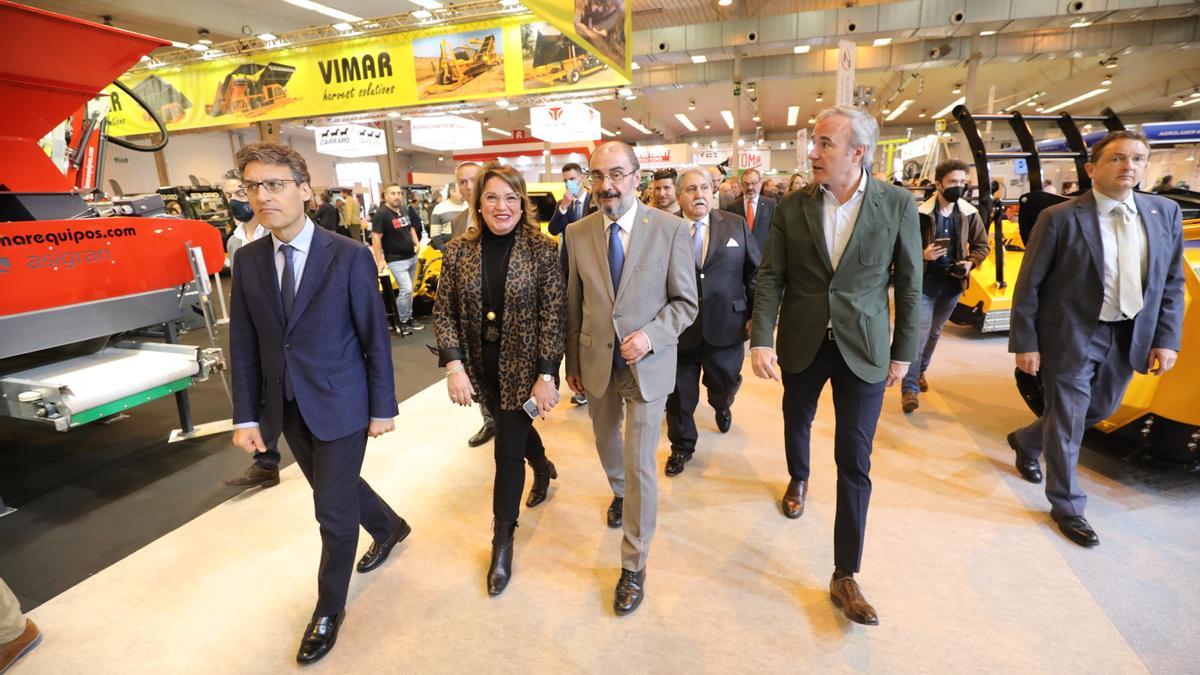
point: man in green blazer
(824, 278)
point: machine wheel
(574, 76)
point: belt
(1120, 322)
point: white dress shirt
(1110, 309)
(839, 219)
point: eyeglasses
(616, 176)
(273, 185)
(511, 200)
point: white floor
(962, 562)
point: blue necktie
(616, 261)
(698, 244)
(287, 287)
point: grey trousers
(630, 460)
(12, 622)
(1077, 399)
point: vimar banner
(602, 26)
(452, 63)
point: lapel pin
(1154, 212)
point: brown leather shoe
(255, 476)
(848, 597)
(793, 499)
(25, 642)
(922, 383)
(909, 402)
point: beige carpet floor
(962, 562)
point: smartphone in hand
(531, 408)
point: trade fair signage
(748, 158)
(661, 156)
(446, 132)
(508, 57)
(350, 140)
(604, 27)
(565, 122)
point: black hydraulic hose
(162, 128)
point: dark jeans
(722, 367)
(516, 441)
(935, 312)
(342, 501)
(856, 406)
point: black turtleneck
(496, 250)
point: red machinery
(70, 278)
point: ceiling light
(204, 41)
(886, 111)
(695, 144)
(691, 105)
(741, 142)
(985, 33)
(1082, 23)
(1185, 102)
(512, 108)
(728, 117)
(198, 47)
(310, 127)
(793, 115)
(783, 145)
(707, 124)
(267, 37)
(1106, 81)
(1196, 93)
(427, 4)
(441, 158)
(502, 103)
(699, 58)
(882, 42)
(957, 89)
(898, 110)
(618, 131)
(945, 111)
(509, 3)
(1077, 99)
(633, 65)
(812, 120)
(499, 131)
(820, 97)
(393, 114)
(606, 132)
(1039, 109)
(922, 113)
(180, 45)
(801, 49)
(724, 3)
(422, 14)
(344, 27)
(712, 144)
(687, 123)
(324, 9)
(624, 91)
(636, 125)
(1110, 64)
(756, 118)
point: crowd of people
(845, 280)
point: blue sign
(1020, 167)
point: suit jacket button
(278, 381)
(701, 276)
(832, 291)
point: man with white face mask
(727, 259)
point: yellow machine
(985, 302)
(458, 66)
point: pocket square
(731, 243)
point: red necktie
(750, 213)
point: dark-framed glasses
(273, 185)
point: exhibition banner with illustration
(503, 58)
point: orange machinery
(77, 278)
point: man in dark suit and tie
(575, 204)
(311, 358)
(832, 249)
(1100, 295)
(631, 290)
(754, 207)
(727, 259)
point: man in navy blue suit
(311, 359)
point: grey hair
(693, 168)
(864, 130)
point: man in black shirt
(327, 214)
(395, 241)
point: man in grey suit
(1100, 295)
(727, 259)
(631, 290)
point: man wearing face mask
(264, 472)
(575, 204)
(955, 241)
(726, 257)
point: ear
(306, 191)
(1089, 168)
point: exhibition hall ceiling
(1144, 58)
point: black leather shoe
(676, 461)
(380, 550)
(724, 419)
(579, 399)
(500, 570)
(319, 638)
(541, 484)
(1029, 469)
(486, 433)
(255, 476)
(793, 499)
(630, 591)
(1078, 530)
(614, 512)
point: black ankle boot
(542, 475)
(502, 554)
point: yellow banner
(489, 59)
(603, 27)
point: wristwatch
(547, 377)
